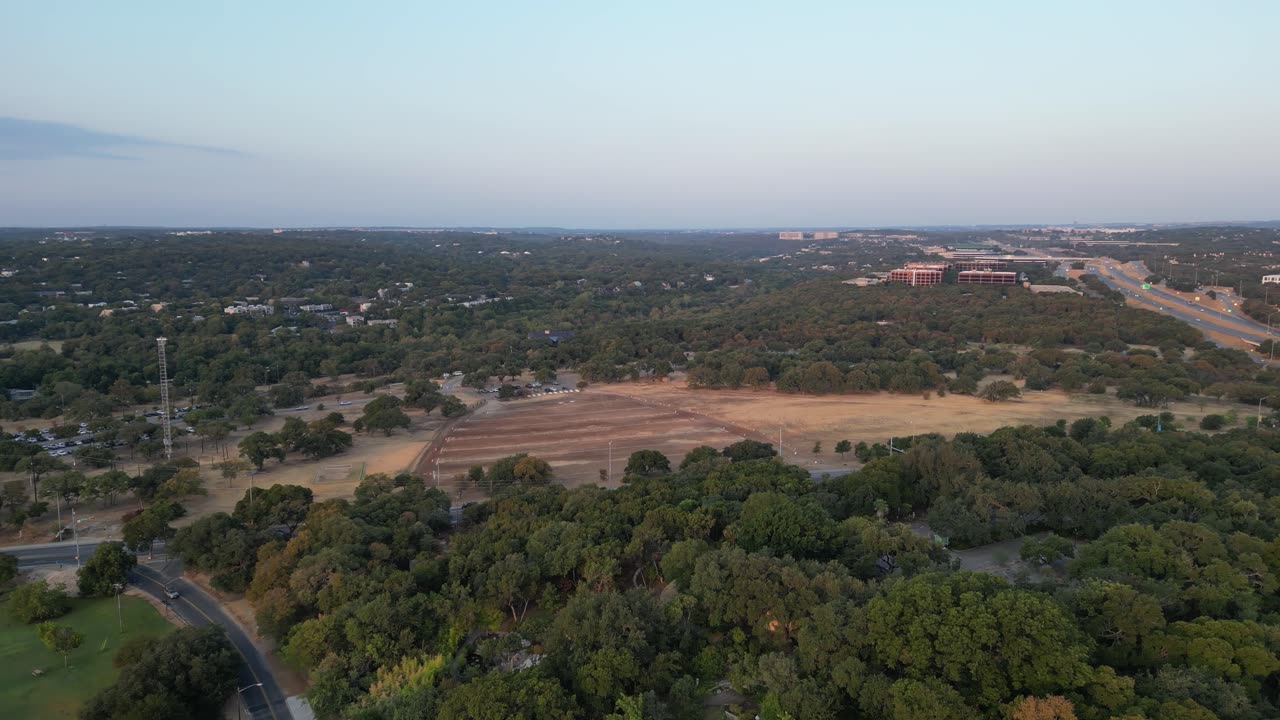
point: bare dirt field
(806, 419)
(573, 433)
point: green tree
(188, 673)
(748, 450)
(37, 601)
(385, 420)
(285, 505)
(59, 639)
(108, 566)
(843, 447)
(509, 696)
(8, 569)
(141, 532)
(1001, 641)
(647, 462)
(999, 390)
(259, 446)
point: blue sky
(637, 114)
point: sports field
(59, 693)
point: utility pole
(164, 400)
(610, 461)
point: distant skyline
(638, 115)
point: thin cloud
(22, 139)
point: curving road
(193, 606)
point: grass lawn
(55, 345)
(59, 693)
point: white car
(344, 403)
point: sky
(637, 114)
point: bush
(1212, 422)
(38, 601)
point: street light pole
(611, 461)
(240, 705)
(75, 531)
(119, 617)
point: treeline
(809, 598)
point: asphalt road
(1177, 307)
(193, 606)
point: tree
(231, 469)
(699, 455)
(748, 450)
(1212, 422)
(59, 639)
(527, 695)
(37, 601)
(8, 569)
(775, 521)
(109, 485)
(285, 505)
(999, 390)
(108, 566)
(755, 377)
(150, 525)
(843, 447)
(95, 456)
(385, 420)
(530, 470)
(259, 446)
(1053, 707)
(452, 407)
(188, 673)
(1005, 642)
(817, 447)
(322, 442)
(220, 545)
(183, 483)
(1047, 550)
(647, 462)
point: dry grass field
(573, 432)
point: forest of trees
(636, 312)
(1156, 598)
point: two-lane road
(192, 606)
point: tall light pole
(119, 617)
(75, 532)
(240, 705)
(611, 461)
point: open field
(59, 693)
(54, 345)
(572, 432)
(806, 419)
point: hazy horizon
(660, 116)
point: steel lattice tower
(164, 401)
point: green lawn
(59, 693)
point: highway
(1170, 304)
(193, 607)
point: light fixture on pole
(75, 531)
(240, 691)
